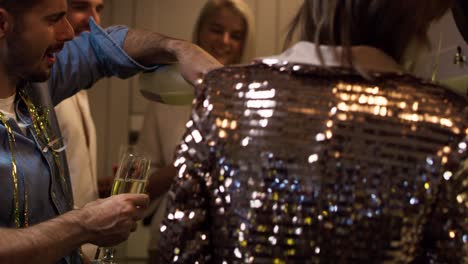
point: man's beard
(36, 76)
(24, 70)
(19, 62)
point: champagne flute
(131, 177)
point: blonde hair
(240, 8)
(389, 25)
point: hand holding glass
(131, 177)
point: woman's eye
(236, 37)
(217, 30)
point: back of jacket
(293, 163)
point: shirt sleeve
(90, 57)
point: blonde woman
(327, 153)
(225, 29)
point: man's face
(35, 37)
(80, 11)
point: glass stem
(108, 257)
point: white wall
(445, 32)
(438, 64)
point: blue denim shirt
(81, 63)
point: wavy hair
(389, 25)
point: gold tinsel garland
(14, 173)
(43, 132)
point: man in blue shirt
(37, 223)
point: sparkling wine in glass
(131, 177)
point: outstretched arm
(122, 52)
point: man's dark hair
(18, 6)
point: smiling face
(223, 36)
(80, 11)
(35, 37)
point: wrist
(78, 225)
(176, 46)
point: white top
(163, 128)
(7, 106)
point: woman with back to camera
(327, 153)
(225, 29)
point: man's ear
(5, 22)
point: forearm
(149, 48)
(43, 243)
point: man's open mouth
(50, 53)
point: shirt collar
(364, 57)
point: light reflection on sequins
(293, 163)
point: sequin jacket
(293, 163)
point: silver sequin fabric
(293, 163)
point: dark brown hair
(389, 25)
(17, 7)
